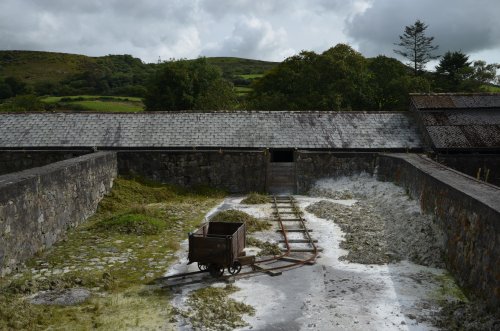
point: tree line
(339, 78)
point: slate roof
(424, 102)
(460, 121)
(308, 130)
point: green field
(241, 90)
(251, 76)
(491, 88)
(97, 103)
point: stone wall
(311, 166)
(13, 161)
(234, 171)
(468, 212)
(37, 206)
(471, 163)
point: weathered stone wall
(37, 206)
(471, 163)
(468, 212)
(234, 171)
(13, 161)
(311, 166)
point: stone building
(260, 151)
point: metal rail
(293, 261)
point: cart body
(217, 243)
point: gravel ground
(386, 226)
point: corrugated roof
(460, 121)
(455, 101)
(312, 130)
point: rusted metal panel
(448, 137)
(432, 101)
(460, 121)
(490, 135)
(456, 101)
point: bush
(20, 103)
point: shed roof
(460, 121)
(309, 130)
(455, 101)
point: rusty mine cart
(219, 245)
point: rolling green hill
(32, 67)
(48, 73)
(234, 66)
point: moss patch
(211, 309)
(255, 199)
(131, 240)
(132, 223)
(253, 224)
(448, 289)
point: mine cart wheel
(215, 270)
(202, 266)
(235, 268)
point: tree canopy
(338, 79)
(416, 46)
(188, 85)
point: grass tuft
(211, 309)
(253, 224)
(255, 198)
(266, 247)
(138, 224)
(127, 243)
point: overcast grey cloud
(261, 29)
(470, 26)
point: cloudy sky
(259, 29)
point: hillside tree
(416, 46)
(337, 79)
(454, 72)
(189, 85)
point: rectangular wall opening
(283, 155)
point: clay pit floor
(333, 294)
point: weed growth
(211, 309)
(232, 215)
(255, 198)
(131, 240)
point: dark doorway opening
(284, 155)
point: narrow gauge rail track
(295, 252)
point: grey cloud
(469, 26)
(101, 27)
(261, 29)
(222, 8)
(253, 38)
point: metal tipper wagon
(219, 245)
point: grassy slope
(32, 67)
(99, 104)
(238, 66)
(130, 241)
(491, 88)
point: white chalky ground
(332, 294)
